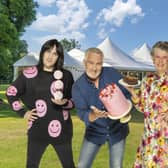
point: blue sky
(128, 23)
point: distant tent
(73, 65)
(32, 59)
(79, 55)
(71, 62)
(142, 54)
(115, 57)
(27, 60)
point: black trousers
(36, 149)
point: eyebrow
(161, 56)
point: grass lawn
(13, 141)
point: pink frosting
(114, 101)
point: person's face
(49, 58)
(160, 60)
(93, 65)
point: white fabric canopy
(77, 54)
(142, 54)
(27, 60)
(70, 63)
(73, 65)
(115, 57)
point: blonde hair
(163, 45)
(93, 50)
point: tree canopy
(70, 44)
(15, 15)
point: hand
(96, 113)
(59, 101)
(132, 92)
(31, 115)
(163, 119)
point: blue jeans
(89, 151)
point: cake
(131, 80)
(114, 101)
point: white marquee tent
(27, 60)
(114, 56)
(32, 59)
(73, 65)
(79, 55)
(142, 54)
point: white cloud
(102, 33)
(71, 18)
(118, 12)
(46, 3)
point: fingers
(99, 113)
(163, 119)
(105, 113)
(31, 115)
(93, 107)
(53, 100)
(59, 101)
(95, 110)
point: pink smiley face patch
(58, 95)
(54, 128)
(16, 105)
(56, 89)
(30, 72)
(56, 86)
(11, 91)
(52, 88)
(58, 74)
(65, 114)
(41, 108)
(59, 85)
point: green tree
(15, 16)
(8, 37)
(70, 44)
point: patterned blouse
(153, 102)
